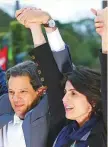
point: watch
(51, 23)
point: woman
(83, 105)
(82, 102)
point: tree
(83, 41)
(5, 20)
(18, 38)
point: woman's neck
(83, 119)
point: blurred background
(74, 19)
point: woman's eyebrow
(70, 89)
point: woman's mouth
(68, 108)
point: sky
(62, 10)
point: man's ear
(40, 91)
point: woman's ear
(93, 103)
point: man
(3, 87)
(25, 90)
(30, 115)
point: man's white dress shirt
(15, 136)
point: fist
(99, 23)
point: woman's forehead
(69, 85)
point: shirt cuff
(55, 41)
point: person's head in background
(82, 94)
(23, 87)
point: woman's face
(75, 104)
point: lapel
(5, 119)
(5, 106)
(27, 130)
(39, 111)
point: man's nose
(16, 97)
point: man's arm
(3, 86)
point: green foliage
(83, 41)
(5, 19)
(18, 38)
(1, 38)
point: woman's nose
(65, 98)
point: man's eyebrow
(19, 89)
(72, 89)
(9, 89)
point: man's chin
(21, 114)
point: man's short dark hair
(27, 68)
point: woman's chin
(68, 116)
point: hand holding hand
(27, 16)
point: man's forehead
(19, 81)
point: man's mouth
(19, 106)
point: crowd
(50, 101)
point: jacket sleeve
(3, 86)
(103, 61)
(64, 60)
(51, 77)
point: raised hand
(99, 23)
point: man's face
(21, 94)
